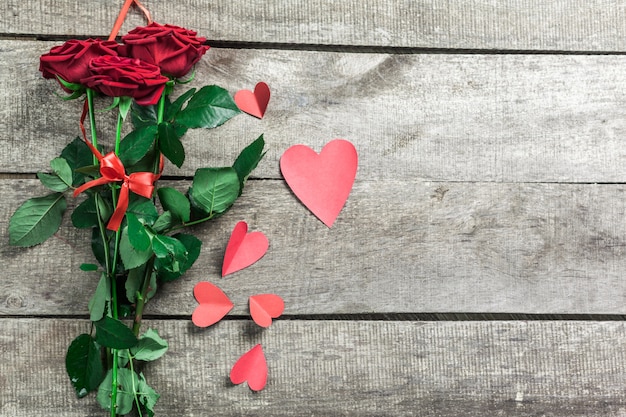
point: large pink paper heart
(214, 304)
(255, 103)
(243, 249)
(265, 307)
(251, 367)
(322, 182)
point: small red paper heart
(255, 103)
(214, 304)
(265, 307)
(251, 367)
(322, 182)
(243, 249)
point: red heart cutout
(214, 304)
(322, 182)
(265, 307)
(243, 249)
(251, 367)
(255, 103)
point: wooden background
(477, 268)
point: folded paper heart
(255, 103)
(243, 249)
(265, 307)
(321, 182)
(251, 367)
(214, 304)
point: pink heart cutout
(265, 307)
(243, 249)
(255, 103)
(322, 182)
(251, 367)
(214, 304)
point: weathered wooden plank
(585, 25)
(344, 368)
(398, 247)
(437, 117)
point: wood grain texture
(350, 368)
(513, 118)
(580, 25)
(397, 247)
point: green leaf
(150, 347)
(52, 182)
(83, 365)
(89, 170)
(88, 267)
(193, 246)
(62, 169)
(144, 209)
(114, 334)
(85, 214)
(248, 160)
(70, 86)
(210, 107)
(97, 246)
(152, 287)
(170, 145)
(170, 252)
(133, 283)
(136, 144)
(145, 164)
(214, 190)
(61, 178)
(172, 108)
(164, 222)
(142, 116)
(36, 220)
(97, 303)
(137, 234)
(73, 96)
(174, 201)
(124, 106)
(122, 358)
(77, 155)
(148, 397)
(126, 380)
(131, 257)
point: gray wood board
(343, 368)
(580, 25)
(398, 246)
(438, 117)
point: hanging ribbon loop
(112, 170)
(122, 16)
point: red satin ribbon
(122, 16)
(112, 170)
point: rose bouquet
(137, 226)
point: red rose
(176, 50)
(116, 76)
(70, 61)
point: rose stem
(103, 235)
(118, 138)
(143, 295)
(92, 122)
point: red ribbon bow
(112, 170)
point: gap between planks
(398, 317)
(356, 49)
